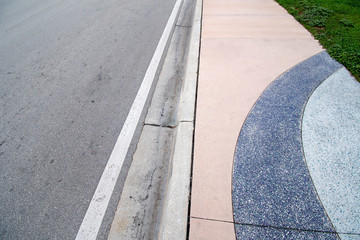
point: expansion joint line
(167, 126)
(186, 121)
(158, 125)
(274, 227)
(182, 26)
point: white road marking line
(94, 215)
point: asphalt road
(69, 72)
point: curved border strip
(272, 187)
(330, 138)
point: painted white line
(94, 216)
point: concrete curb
(175, 211)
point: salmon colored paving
(245, 45)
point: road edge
(93, 219)
(174, 219)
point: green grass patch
(335, 23)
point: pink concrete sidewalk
(245, 45)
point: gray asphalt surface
(69, 71)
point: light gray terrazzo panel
(349, 237)
(331, 141)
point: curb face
(273, 195)
(174, 220)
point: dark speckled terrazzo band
(271, 183)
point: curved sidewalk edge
(273, 192)
(331, 139)
(174, 220)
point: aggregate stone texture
(260, 232)
(331, 139)
(271, 182)
(349, 236)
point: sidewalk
(292, 171)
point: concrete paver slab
(235, 7)
(249, 19)
(206, 229)
(252, 26)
